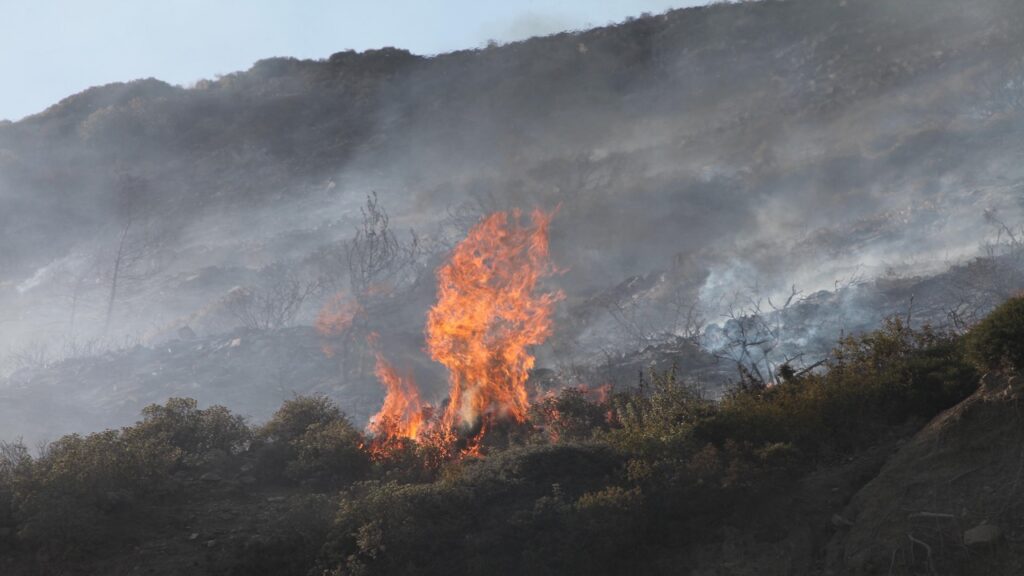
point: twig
(927, 548)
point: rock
(982, 534)
(840, 522)
(186, 333)
(211, 477)
(193, 536)
(211, 543)
(276, 499)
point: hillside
(725, 290)
(725, 154)
(835, 472)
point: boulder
(982, 534)
(211, 478)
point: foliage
(297, 414)
(289, 545)
(873, 381)
(309, 438)
(998, 340)
(591, 484)
(179, 423)
(660, 420)
(66, 497)
(331, 452)
(571, 414)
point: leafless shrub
(375, 257)
(662, 312)
(985, 282)
(13, 456)
(32, 356)
(753, 335)
(274, 303)
(138, 239)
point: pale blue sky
(50, 49)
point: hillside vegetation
(655, 479)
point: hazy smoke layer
(723, 155)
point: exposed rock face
(945, 501)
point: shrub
(400, 529)
(14, 463)
(287, 545)
(296, 415)
(329, 452)
(998, 340)
(181, 424)
(874, 381)
(66, 496)
(661, 421)
(310, 439)
(570, 415)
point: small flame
(402, 417)
(335, 318)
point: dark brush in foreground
(825, 473)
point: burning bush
(488, 314)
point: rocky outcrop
(951, 501)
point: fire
(335, 318)
(336, 315)
(488, 314)
(402, 417)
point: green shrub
(181, 424)
(570, 415)
(998, 340)
(310, 439)
(329, 452)
(69, 497)
(296, 415)
(400, 529)
(660, 421)
(874, 381)
(288, 544)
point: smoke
(723, 151)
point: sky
(50, 49)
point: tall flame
(488, 315)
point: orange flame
(334, 319)
(402, 417)
(336, 315)
(488, 315)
